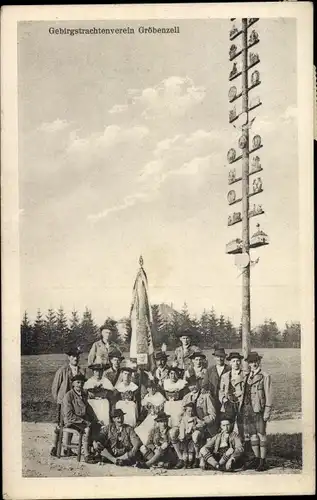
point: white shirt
(235, 374)
(220, 369)
(74, 370)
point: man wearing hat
(213, 376)
(62, 383)
(161, 372)
(159, 450)
(117, 442)
(197, 369)
(100, 393)
(79, 415)
(99, 352)
(224, 450)
(112, 373)
(256, 409)
(182, 353)
(231, 390)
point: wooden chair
(64, 432)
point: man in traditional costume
(224, 450)
(190, 432)
(256, 410)
(100, 350)
(117, 442)
(79, 415)
(62, 383)
(159, 449)
(212, 378)
(231, 390)
(113, 371)
(182, 359)
(197, 369)
(161, 372)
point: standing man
(256, 410)
(162, 371)
(197, 370)
(62, 383)
(212, 378)
(112, 373)
(232, 389)
(99, 352)
(182, 355)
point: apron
(101, 408)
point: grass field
(38, 373)
(38, 413)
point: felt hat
(117, 412)
(190, 404)
(192, 380)
(219, 351)
(234, 355)
(179, 372)
(185, 332)
(73, 351)
(115, 354)
(253, 357)
(97, 366)
(161, 417)
(225, 418)
(127, 369)
(79, 376)
(197, 354)
(161, 355)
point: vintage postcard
(157, 250)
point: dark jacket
(62, 383)
(76, 409)
(122, 442)
(211, 382)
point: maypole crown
(141, 262)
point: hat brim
(219, 354)
(97, 368)
(250, 360)
(229, 357)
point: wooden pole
(246, 310)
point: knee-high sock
(263, 446)
(55, 437)
(147, 454)
(155, 458)
(178, 450)
(105, 453)
(255, 444)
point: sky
(122, 151)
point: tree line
(53, 331)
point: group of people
(184, 414)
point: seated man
(117, 442)
(159, 449)
(79, 415)
(224, 449)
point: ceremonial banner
(141, 347)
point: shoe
(166, 465)
(90, 460)
(141, 465)
(180, 464)
(203, 465)
(253, 463)
(195, 464)
(53, 452)
(69, 453)
(262, 465)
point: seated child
(224, 449)
(159, 449)
(152, 404)
(190, 435)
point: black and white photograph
(160, 258)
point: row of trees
(54, 331)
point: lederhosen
(253, 422)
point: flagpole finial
(141, 262)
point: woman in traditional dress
(152, 404)
(100, 393)
(127, 395)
